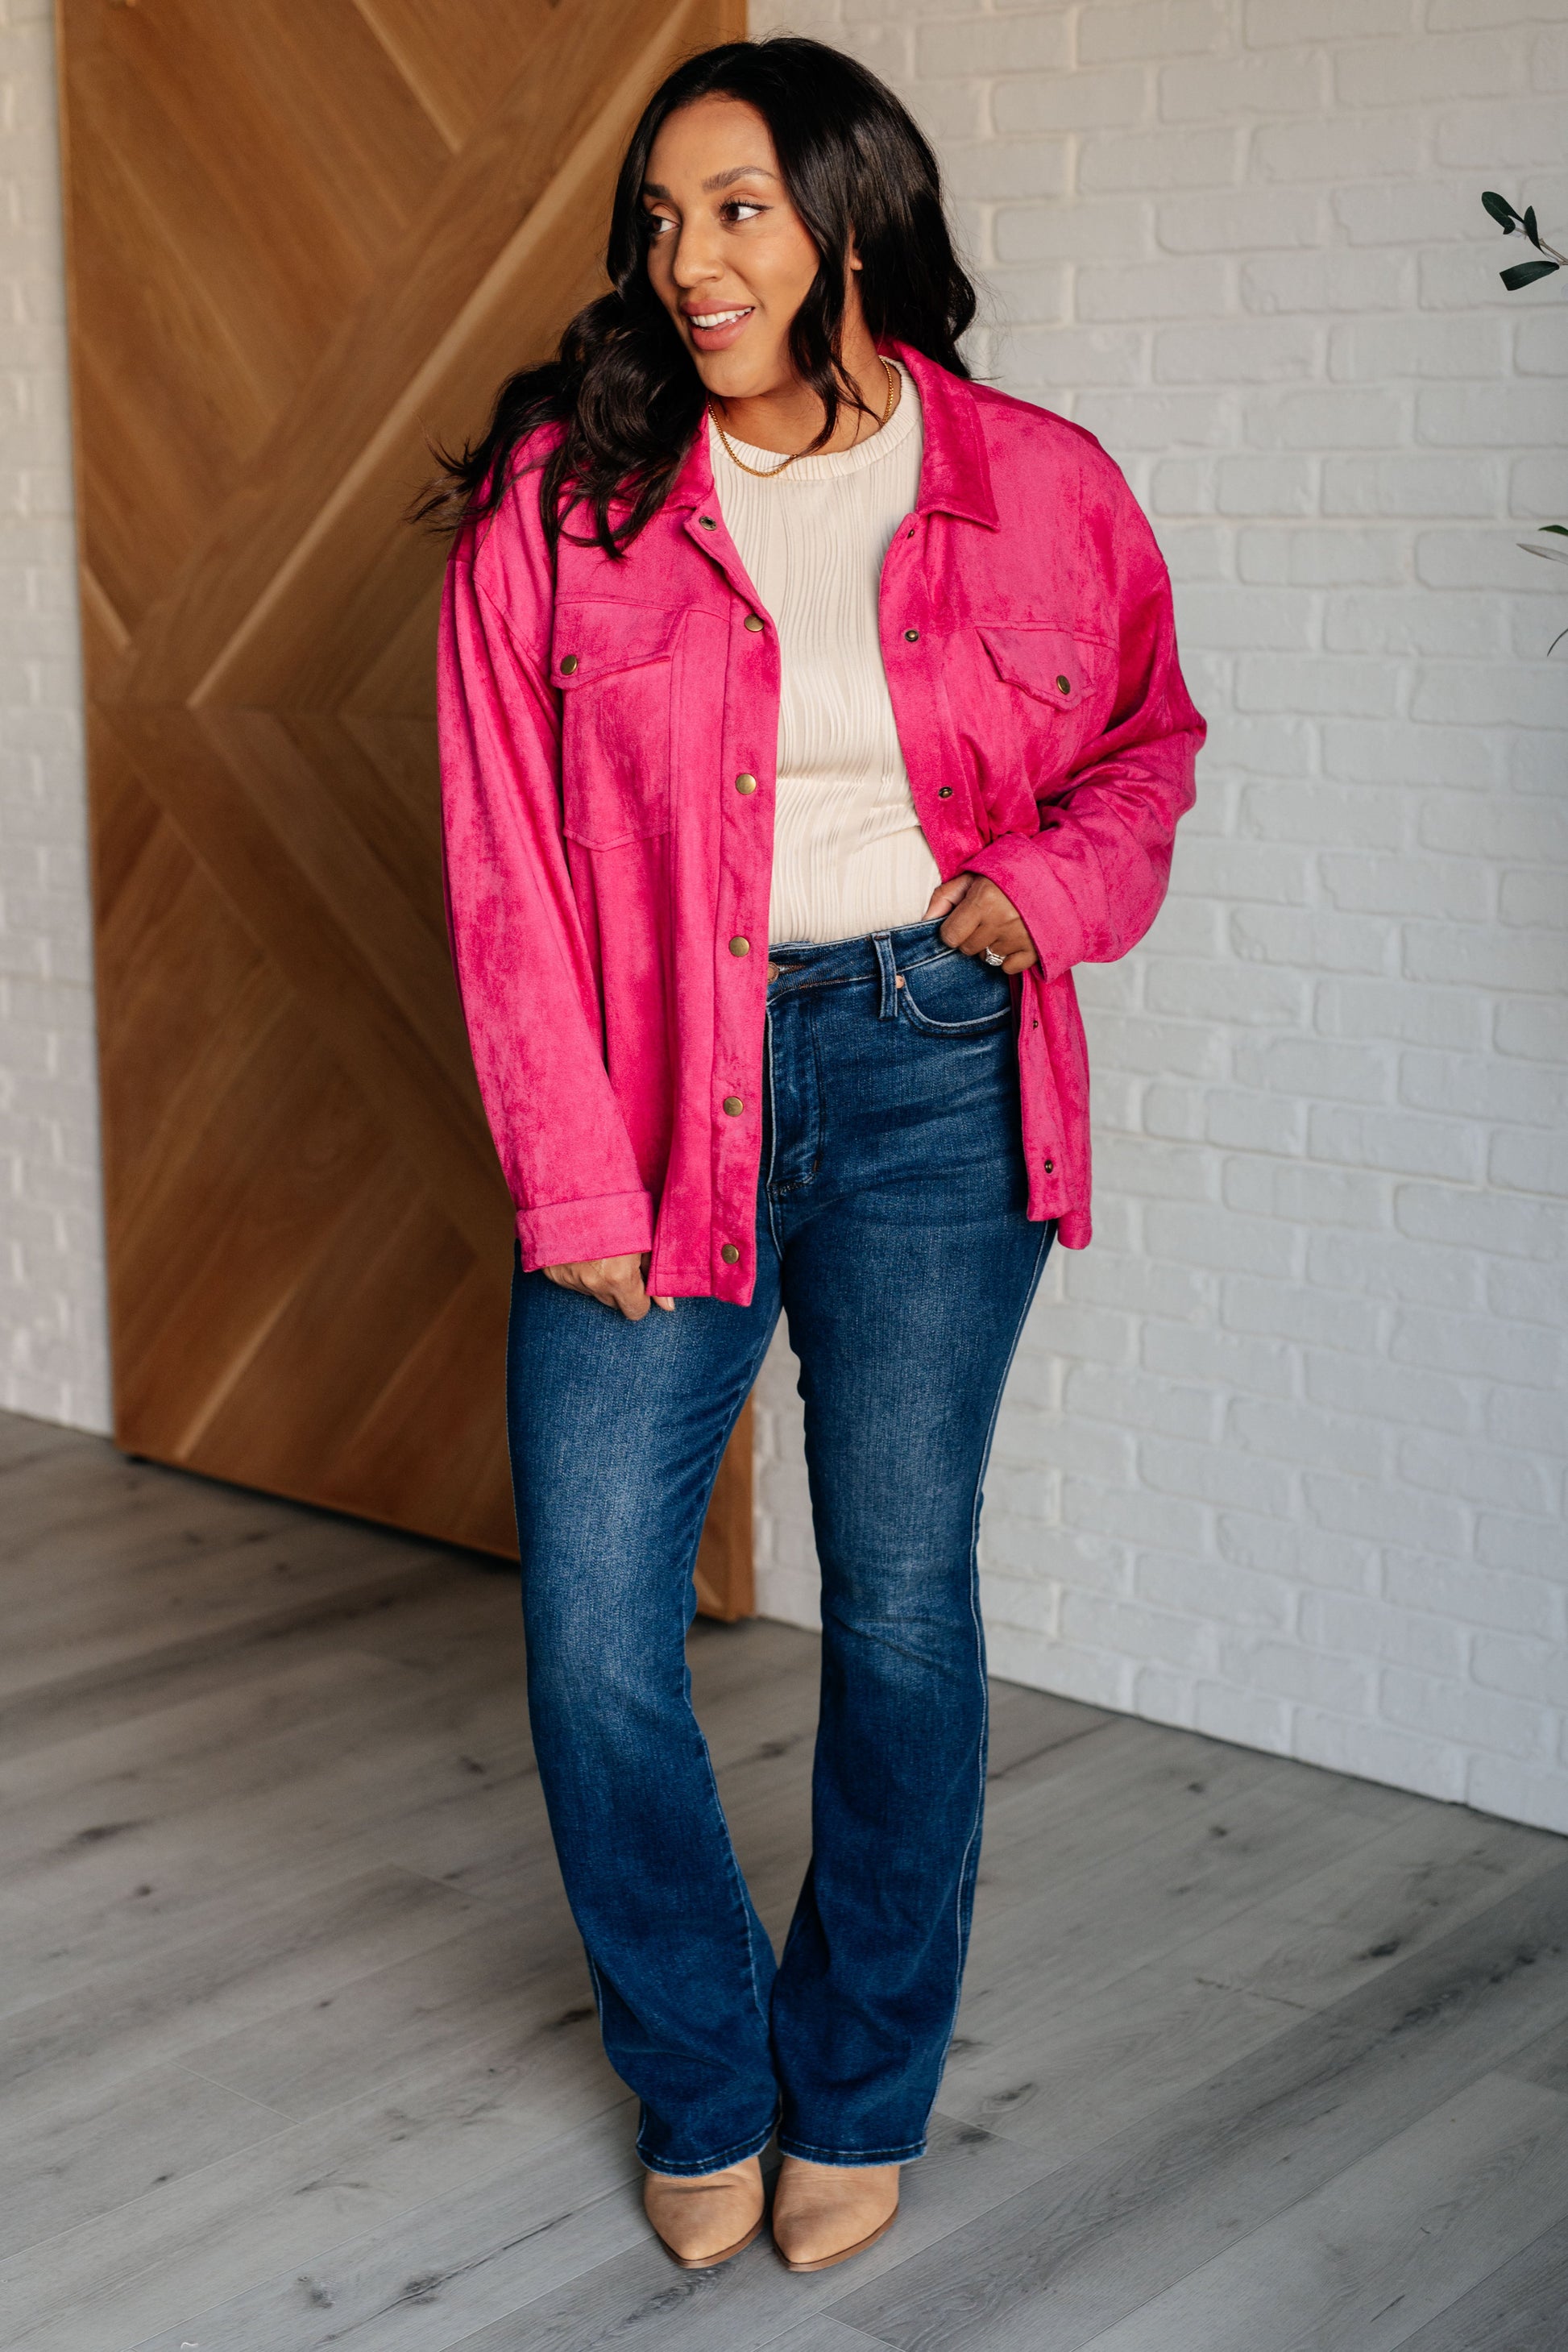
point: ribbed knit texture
(848, 852)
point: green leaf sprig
(1523, 273)
(1553, 555)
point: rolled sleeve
(566, 1232)
(524, 972)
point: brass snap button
(944, 792)
(740, 947)
(911, 636)
(734, 1106)
(753, 622)
(708, 522)
(569, 663)
(1064, 685)
(1050, 1167)
(745, 783)
(729, 1253)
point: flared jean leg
(617, 1432)
(867, 1994)
(909, 1262)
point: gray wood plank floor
(297, 2050)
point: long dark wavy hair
(622, 382)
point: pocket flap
(594, 641)
(1051, 664)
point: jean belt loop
(887, 1008)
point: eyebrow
(720, 179)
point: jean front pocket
(954, 995)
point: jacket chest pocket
(615, 665)
(1057, 685)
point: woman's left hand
(982, 917)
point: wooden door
(305, 237)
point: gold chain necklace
(766, 473)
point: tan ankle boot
(823, 2213)
(704, 2217)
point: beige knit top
(848, 852)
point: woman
(807, 713)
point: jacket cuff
(1021, 864)
(616, 1224)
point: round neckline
(829, 466)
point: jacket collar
(693, 485)
(955, 472)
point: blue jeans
(893, 1232)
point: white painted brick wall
(1283, 1454)
(53, 1351)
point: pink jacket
(608, 735)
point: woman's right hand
(614, 1281)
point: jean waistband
(861, 959)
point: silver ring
(990, 956)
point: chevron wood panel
(306, 237)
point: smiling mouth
(717, 318)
